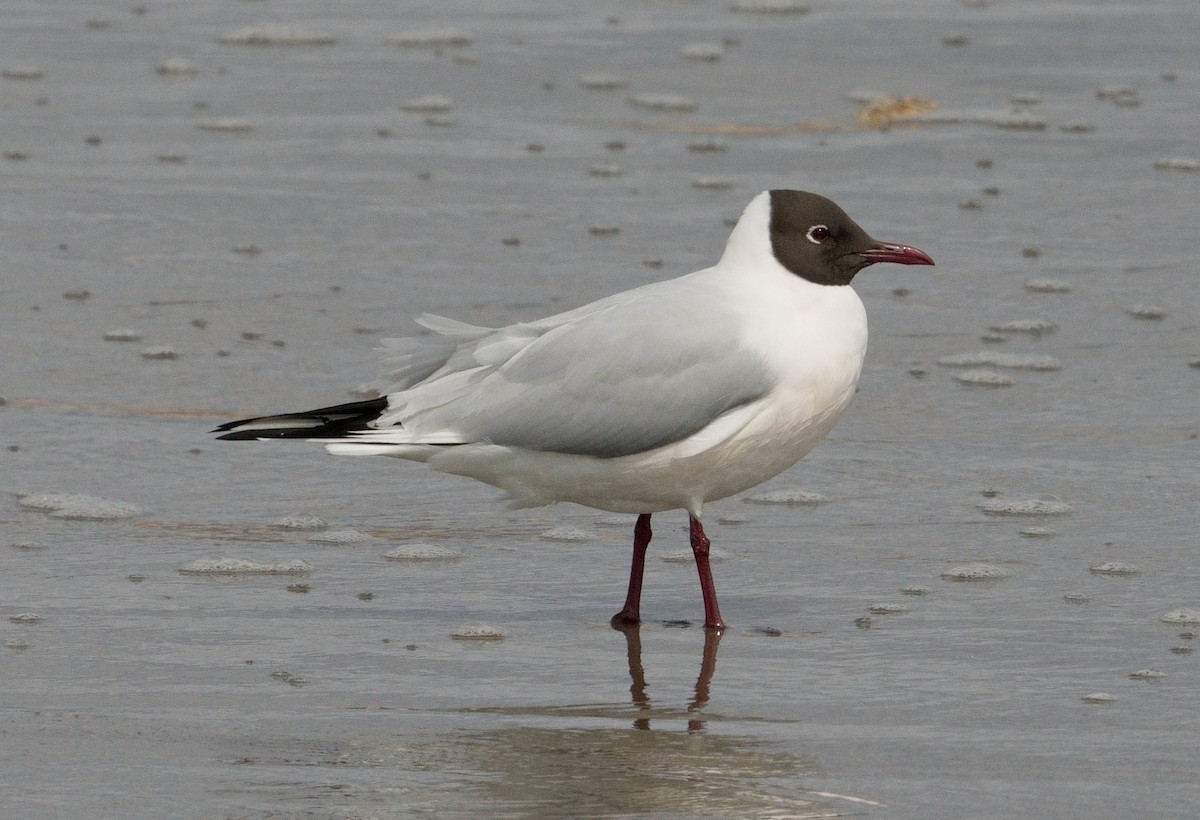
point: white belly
(786, 426)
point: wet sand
(198, 229)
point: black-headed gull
(662, 397)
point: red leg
(632, 614)
(700, 545)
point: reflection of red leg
(700, 545)
(632, 613)
(708, 666)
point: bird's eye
(818, 234)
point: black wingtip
(323, 423)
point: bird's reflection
(637, 675)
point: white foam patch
(976, 572)
(26, 618)
(226, 125)
(277, 34)
(703, 52)
(1048, 286)
(712, 183)
(431, 104)
(1181, 616)
(1147, 674)
(1034, 327)
(602, 81)
(1151, 312)
(1025, 506)
(431, 38)
(346, 536)
(889, 609)
(423, 552)
(608, 171)
(30, 546)
(770, 7)
(1038, 532)
(1013, 361)
(78, 507)
(793, 496)
(1188, 164)
(983, 377)
(302, 523)
(1115, 568)
(686, 556)
(1099, 697)
(239, 566)
(160, 353)
(123, 335)
(1116, 93)
(22, 72)
(478, 632)
(663, 102)
(176, 67)
(566, 534)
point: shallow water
(269, 260)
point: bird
(666, 396)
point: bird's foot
(625, 619)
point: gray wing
(614, 382)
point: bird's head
(815, 239)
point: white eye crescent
(818, 234)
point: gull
(666, 396)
